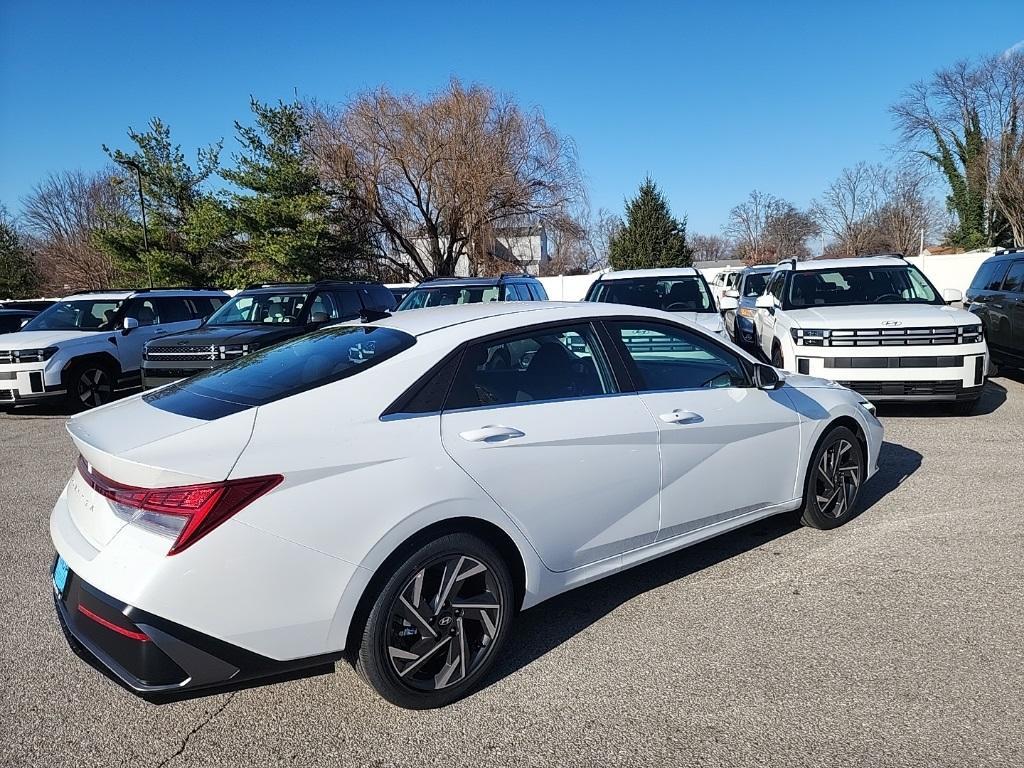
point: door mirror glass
(728, 303)
(765, 301)
(952, 295)
(766, 377)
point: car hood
(43, 339)
(229, 334)
(874, 315)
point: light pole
(142, 204)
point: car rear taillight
(185, 513)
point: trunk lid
(133, 443)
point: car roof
(296, 287)
(156, 292)
(628, 274)
(471, 281)
(760, 268)
(812, 265)
(421, 321)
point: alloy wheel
(443, 624)
(94, 387)
(837, 479)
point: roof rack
(1007, 251)
(314, 283)
(514, 274)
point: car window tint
(349, 305)
(1014, 281)
(995, 277)
(377, 298)
(172, 310)
(778, 281)
(666, 358)
(548, 364)
(322, 308)
(204, 306)
(538, 292)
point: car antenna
(370, 315)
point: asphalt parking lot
(895, 640)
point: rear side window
(538, 292)
(1014, 282)
(173, 310)
(204, 306)
(378, 298)
(994, 279)
(349, 305)
(287, 368)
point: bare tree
(439, 176)
(906, 214)
(581, 241)
(847, 209)
(766, 228)
(63, 215)
(710, 247)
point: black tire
(834, 479)
(90, 384)
(404, 651)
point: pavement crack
(197, 729)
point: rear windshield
(286, 369)
(677, 294)
(445, 295)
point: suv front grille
(182, 353)
(889, 337)
(903, 388)
(6, 357)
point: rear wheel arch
(483, 529)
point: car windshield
(446, 295)
(77, 315)
(675, 294)
(754, 283)
(286, 369)
(860, 285)
(259, 308)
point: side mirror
(130, 323)
(765, 301)
(24, 321)
(952, 295)
(766, 377)
(728, 303)
(732, 293)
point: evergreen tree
(187, 226)
(19, 277)
(285, 221)
(651, 237)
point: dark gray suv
(996, 296)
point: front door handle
(493, 433)
(679, 416)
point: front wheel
(89, 385)
(834, 477)
(438, 624)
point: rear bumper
(153, 656)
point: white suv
(876, 325)
(89, 344)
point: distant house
(510, 249)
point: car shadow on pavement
(542, 629)
(992, 398)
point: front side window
(678, 294)
(291, 367)
(259, 308)
(77, 315)
(549, 364)
(778, 280)
(669, 358)
(860, 285)
(447, 295)
(1014, 281)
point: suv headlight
(234, 351)
(811, 337)
(748, 312)
(32, 355)
(970, 334)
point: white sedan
(397, 490)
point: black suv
(444, 291)
(996, 296)
(257, 317)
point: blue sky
(711, 99)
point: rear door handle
(679, 416)
(493, 433)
